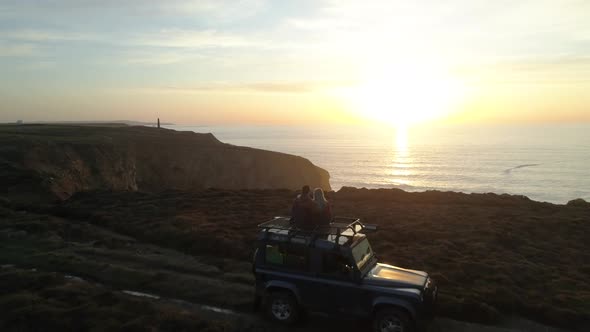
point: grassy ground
(41, 301)
(494, 256)
(46, 301)
(48, 243)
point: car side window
(286, 257)
(273, 255)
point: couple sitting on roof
(311, 210)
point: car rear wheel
(282, 307)
(391, 320)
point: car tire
(392, 320)
(282, 307)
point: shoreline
(521, 162)
(451, 191)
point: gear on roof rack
(341, 226)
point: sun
(405, 94)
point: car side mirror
(345, 269)
(350, 272)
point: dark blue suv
(332, 269)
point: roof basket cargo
(339, 227)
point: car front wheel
(391, 320)
(282, 307)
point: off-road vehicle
(333, 270)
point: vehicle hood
(393, 276)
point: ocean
(544, 162)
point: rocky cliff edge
(59, 160)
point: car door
(290, 265)
(340, 293)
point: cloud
(35, 42)
(263, 87)
(574, 62)
(219, 10)
(156, 59)
(38, 65)
(203, 10)
(458, 28)
(531, 70)
(17, 50)
(319, 24)
(215, 39)
(42, 36)
(179, 38)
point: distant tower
(158, 122)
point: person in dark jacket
(323, 210)
(302, 210)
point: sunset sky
(293, 62)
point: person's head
(319, 198)
(305, 191)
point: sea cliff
(60, 160)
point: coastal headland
(54, 161)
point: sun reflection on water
(400, 168)
(401, 141)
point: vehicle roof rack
(339, 227)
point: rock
(579, 202)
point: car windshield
(362, 253)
